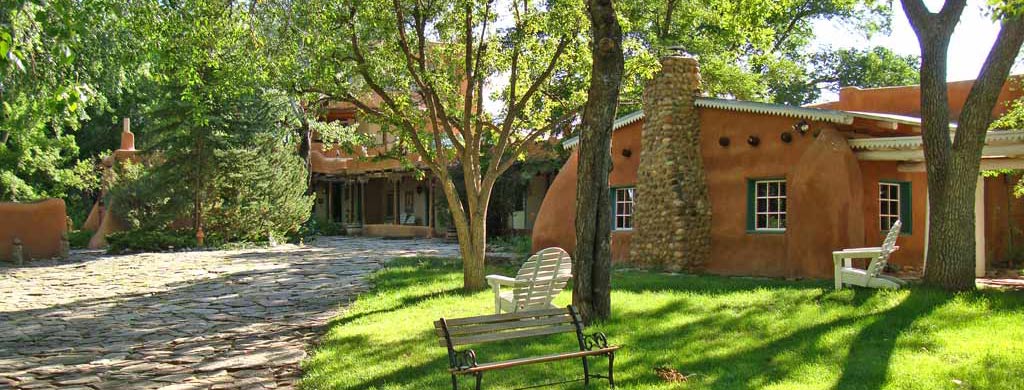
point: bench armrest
(869, 248)
(858, 254)
(500, 280)
(464, 359)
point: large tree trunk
(471, 230)
(592, 260)
(953, 164)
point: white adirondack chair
(536, 284)
(846, 273)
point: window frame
(752, 212)
(615, 210)
(906, 205)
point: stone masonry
(186, 320)
(672, 215)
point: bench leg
(455, 382)
(479, 377)
(611, 369)
(586, 372)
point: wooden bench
(499, 327)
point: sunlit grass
(726, 333)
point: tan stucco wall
(1004, 213)
(911, 253)
(555, 224)
(906, 100)
(39, 225)
(735, 251)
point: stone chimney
(672, 214)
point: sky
(970, 44)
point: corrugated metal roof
(809, 113)
(741, 106)
(999, 137)
(815, 114)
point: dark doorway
(336, 202)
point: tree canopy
(758, 50)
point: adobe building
(746, 188)
(366, 190)
(374, 195)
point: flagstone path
(190, 320)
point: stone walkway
(192, 320)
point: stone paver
(189, 320)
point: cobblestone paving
(191, 320)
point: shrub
(331, 228)
(150, 240)
(138, 199)
(515, 244)
(79, 239)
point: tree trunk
(305, 146)
(953, 163)
(592, 260)
(471, 230)
(473, 254)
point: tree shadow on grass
(707, 346)
(867, 363)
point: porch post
(398, 197)
(362, 202)
(979, 227)
(430, 207)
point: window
(894, 204)
(622, 204)
(766, 205)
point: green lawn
(728, 333)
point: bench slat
(489, 337)
(505, 326)
(501, 317)
(532, 360)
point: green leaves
(756, 49)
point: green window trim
(906, 205)
(752, 205)
(632, 220)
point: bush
(140, 201)
(515, 244)
(79, 239)
(330, 228)
(150, 241)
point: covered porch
(382, 204)
(998, 214)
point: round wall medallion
(786, 137)
(724, 141)
(753, 140)
(626, 153)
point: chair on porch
(538, 281)
(846, 273)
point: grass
(726, 333)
